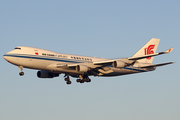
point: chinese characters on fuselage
(64, 56)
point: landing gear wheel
(82, 81)
(78, 80)
(21, 73)
(68, 82)
(88, 80)
(66, 79)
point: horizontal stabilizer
(157, 65)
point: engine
(119, 64)
(82, 68)
(45, 74)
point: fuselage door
(35, 53)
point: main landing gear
(83, 79)
(21, 73)
(67, 79)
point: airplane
(51, 64)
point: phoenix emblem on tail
(149, 50)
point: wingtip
(171, 62)
(169, 50)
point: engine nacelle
(119, 64)
(45, 74)
(82, 68)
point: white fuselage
(40, 59)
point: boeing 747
(51, 64)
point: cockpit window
(17, 48)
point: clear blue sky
(101, 28)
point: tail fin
(149, 48)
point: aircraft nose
(5, 57)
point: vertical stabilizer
(149, 48)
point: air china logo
(149, 50)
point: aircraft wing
(130, 60)
(105, 63)
(119, 63)
(66, 65)
(150, 55)
(157, 65)
(63, 66)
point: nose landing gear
(21, 73)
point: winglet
(169, 50)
